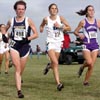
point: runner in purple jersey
(90, 32)
(90, 25)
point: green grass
(37, 86)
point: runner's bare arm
(34, 30)
(98, 23)
(66, 26)
(80, 25)
(44, 22)
(8, 25)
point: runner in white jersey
(55, 25)
(54, 34)
(4, 48)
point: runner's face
(20, 11)
(90, 12)
(53, 10)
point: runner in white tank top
(4, 48)
(54, 34)
(55, 25)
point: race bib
(92, 35)
(12, 43)
(19, 34)
(57, 34)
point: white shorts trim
(26, 54)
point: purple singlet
(90, 32)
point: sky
(37, 10)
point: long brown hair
(84, 12)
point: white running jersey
(54, 34)
(3, 44)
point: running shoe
(86, 84)
(6, 72)
(60, 86)
(20, 95)
(46, 70)
(80, 71)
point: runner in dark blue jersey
(20, 38)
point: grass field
(37, 86)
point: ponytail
(81, 12)
(84, 12)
